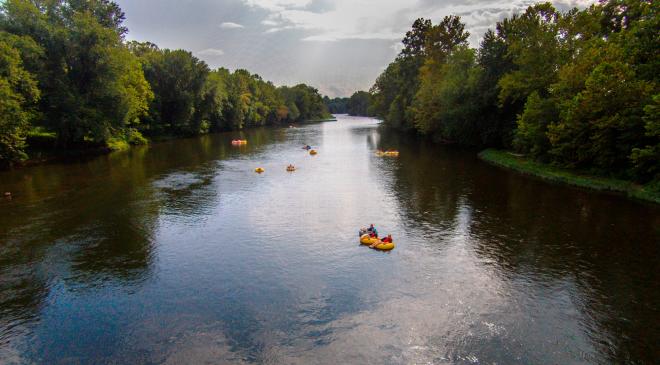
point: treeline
(68, 79)
(358, 104)
(578, 89)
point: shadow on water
(594, 248)
(89, 223)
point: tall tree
(92, 87)
(430, 101)
(177, 79)
(18, 97)
(358, 103)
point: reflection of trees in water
(75, 223)
(92, 223)
(430, 182)
(605, 246)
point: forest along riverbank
(117, 93)
(574, 88)
(181, 253)
(527, 166)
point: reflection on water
(180, 253)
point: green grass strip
(526, 166)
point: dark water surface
(180, 253)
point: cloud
(230, 25)
(325, 20)
(338, 46)
(278, 5)
(211, 52)
(333, 37)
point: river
(179, 253)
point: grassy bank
(564, 176)
(328, 119)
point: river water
(179, 253)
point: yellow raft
(313, 152)
(290, 169)
(366, 240)
(387, 153)
(259, 170)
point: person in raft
(372, 231)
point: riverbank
(42, 148)
(564, 176)
(329, 119)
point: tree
(395, 89)
(577, 88)
(433, 99)
(358, 104)
(646, 159)
(18, 97)
(177, 79)
(92, 87)
(307, 100)
(336, 105)
(443, 38)
(602, 123)
(414, 43)
(215, 96)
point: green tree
(534, 45)
(336, 105)
(394, 90)
(496, 121)
(18, 97)
(177, 79)
(646, 159)
(307, 100)
(602, 123)
(92, 87)
(358, 103)
(439, 85)
(214, 101)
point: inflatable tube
(385, 246)
(291, 169)
(313, 152)
(239, 142)
(366, 240)
(392, 153)
(259, 170)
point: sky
(337, 46)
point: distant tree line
(336, 105)
(69, 77)
(358, 104)
(577, 89)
